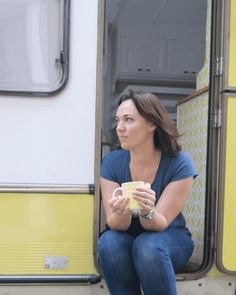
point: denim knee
(163, 248)
(112, 245)
(145, 250)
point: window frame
(62, 60)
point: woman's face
(132, 129)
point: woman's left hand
(145, 197)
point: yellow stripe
(36, 226)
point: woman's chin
(124, 146)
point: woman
(147, 249)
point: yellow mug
(127, 189)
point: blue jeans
(151, 259)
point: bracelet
(148, 215)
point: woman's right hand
(118, 215)
(119, 205)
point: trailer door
(226, 219)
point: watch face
(149, 215)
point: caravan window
(33, 45)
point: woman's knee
(114, 244)
(148, 249)
(162, 248)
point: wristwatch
(148, 215)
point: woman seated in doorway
(144, 251)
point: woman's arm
(169, 205)
(118, 216)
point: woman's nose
(119, 126)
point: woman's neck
(144, 155)
(144, 164)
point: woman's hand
(119, 205)
(145, 197)
(115, 220)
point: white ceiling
(157, 12)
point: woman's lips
(123, 137)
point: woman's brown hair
(150, 107)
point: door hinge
(216, 118)
(212, 240)
(218, 66)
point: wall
(193, 124)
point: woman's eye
(129, 119)
(116, 122)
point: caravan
(64, 63)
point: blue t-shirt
(115, 167)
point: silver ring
(118, 211)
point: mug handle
(115, 191)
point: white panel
(51, 140)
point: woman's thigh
(173, 243)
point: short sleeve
(108, 170)
(183, 167)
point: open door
(164, 47)
(226, 258)
(226, 221)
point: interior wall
(192, 118)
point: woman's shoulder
(183, 155)
(185, 159)
(180, 156)
(116, 155)
(114, 165)
(182, 164)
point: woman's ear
(153, 127)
